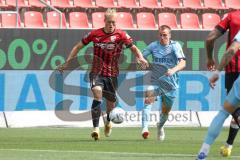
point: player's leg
(167, 103)
(110, 87)
(96, 111)
(230, 107)
(148, 101)
(233, 130)
(96, 86)
(107, 123)
(213, 131)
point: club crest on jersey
(113, 38)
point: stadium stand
(2, 4)
(36, 3)
(9, 20)
(169, 19)
(78, 20)
(125, 20)
(233, 4)
(146, 20)
(152, 4)
(84, 4)
(61, 3)
(214, 4)
(53, 20)
(128, 4)
(142, 14)
(193, 4)
(210, 20)
(33, 19)
(106, 3)
(189, 21)
(97, 19)
(21, 3)
(171, 4)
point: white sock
(228, 145)
(205, 148)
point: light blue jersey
(237, 37)
(167, 55)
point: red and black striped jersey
(232, 23)
(107, 50)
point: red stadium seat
(189, 21)
(98, 19)
(2, 4)
(53, 20)
(171, 3)
(210, 20)
(84, 3)
(146, 20)
(36, 3)
(9, 20)
(169, 19)
(214, 4)
(124, 20)
(33, 19)
(78, 20)
(21, 3)
(234, 4)
(106, 3)
(150, 4)
(128, 3)
(194, 4)
(61, 3)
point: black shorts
(229, 80)
(109, 85)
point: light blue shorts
(233, 96)
(169, 98)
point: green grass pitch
(124, 144)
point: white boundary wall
(18, 119)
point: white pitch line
(101, 152)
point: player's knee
(236, 116)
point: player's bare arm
(180, 66)
(224, 61)
(72, 55)
(212, 36)
(139, 57)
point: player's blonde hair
(110, 12)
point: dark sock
(96, 112)
(108, 118)
(231, 136)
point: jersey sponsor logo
(163, 60)
(113, 38)
(109, 46)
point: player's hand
(143, 63)
(170, 72)
(61, 68)
(211, 65)
(213, 79)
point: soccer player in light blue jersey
(231, 104)
(169, 54)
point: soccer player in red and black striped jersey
(108, 45)
(231, 23)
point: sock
(216, 126)
(231, 136)
(146, 116)
(163, 119)
(205, 148)
(96, 112)
(108, 118)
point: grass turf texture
(124, 144)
